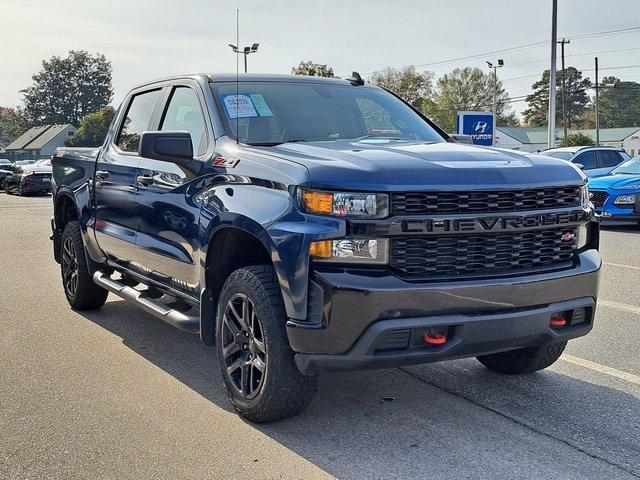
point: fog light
(350, 251)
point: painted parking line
(620, 306)
(612, 372)
(632, 267)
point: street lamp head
(247, 49)
(233, 47)
(500, 62)
(489, 63)
(254, 47)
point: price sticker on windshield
(239, 106)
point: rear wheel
(524, 360)
(81, 291)
(256, 360)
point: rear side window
(609, 158)
(588, 159)
(137, 120)
(184, 114)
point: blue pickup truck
(302, 225)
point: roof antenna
(237, 74)
(355, 79)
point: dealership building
(534, 139)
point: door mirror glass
(173, 147)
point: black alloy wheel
(70, 267)
(243, 346)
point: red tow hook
(557, 321)
(434, 338)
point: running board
(182, 321)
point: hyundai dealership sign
(478, 125)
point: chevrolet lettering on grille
(489, 224)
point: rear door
(608, 160)
(167, 241)
(115, 179)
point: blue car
(617, 196)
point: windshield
(270, 113)
(560, 155)
(630, 167)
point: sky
(147, 39)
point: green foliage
(577, 140)
(13, 123)
(92, 130)
(576, 99)
(620, 105)
(467, 89)
(67, 89)
(413, 87)
(312, 69)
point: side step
(180, 320)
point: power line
(575, 55)
(524, 47)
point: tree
(92, 130)
(576, 99)
(413, 87)
(577, 140)
(313, 69)
(67, 89)
(13, 123)
(467, 89)
(620, 105)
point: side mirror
(459, 138)
(579, 165)
(174, 147)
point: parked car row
(26, 176)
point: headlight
(345, 204)
(584, 197)
(351, 250)
(625, 200)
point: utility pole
(564, 86)
(551, 134)
(597, 108)
(495, 94)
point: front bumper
(351, 312)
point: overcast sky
(145, 39)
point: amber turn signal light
(321, 249)
(318, 202)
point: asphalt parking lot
(118, 394)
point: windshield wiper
(275, 144)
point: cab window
(137, 120)
(184, 114)
(588, 159)
(609, 158)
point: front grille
(436, 203)
(598, 198)
(449, 256)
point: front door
(167, 242)
(115, 180)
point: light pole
(551, 133)
(562, 43)
(495, 94)
(245, 51)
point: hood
(27, 169)
(386, 166)
(614, 181)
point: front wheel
(256, 360)
(524, 360)
(81, 291)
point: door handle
(145, 180)
(102, 174)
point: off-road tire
(88, 295)
(285, 392)
(523, 360)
